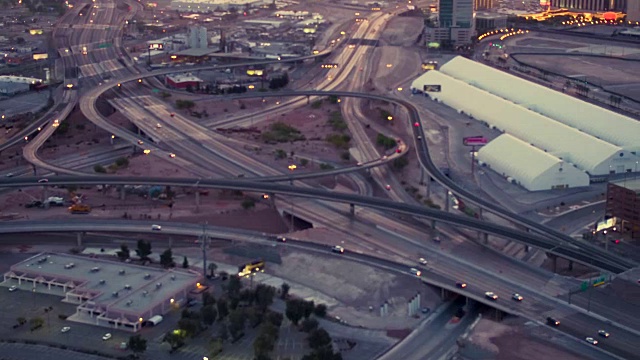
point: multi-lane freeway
(551, 241)
(535, 306)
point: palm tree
(212, 269)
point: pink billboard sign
(475, 141)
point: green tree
(208, 299)
(309, 325)
(223, 333)
(264, 296)
(137, 344)
(212, 269)
(99, 169)
(274, 318)
(319, 338)
(284, 290)
(209, 314)
(237, 320)
(143, 249)
(320, 310)
(233, 287)
(307, 307)
(174, 339)
(185, 263)
(223, 308)
(124, 252)
(166, 259)
(294, 310)
(122, 162)
(248, 203)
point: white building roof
(180, 78)
(597, 121)
(529, 166)
(589, 153)
(136, 286)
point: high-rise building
(633, 10)
(455, 23)
(593, 5)
(483, 4)
(198, 37)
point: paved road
(19, 351)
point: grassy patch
(280, 132)
(336, 121)
(340, 141)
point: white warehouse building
(529, 166)
(602, 123)
(588, 153)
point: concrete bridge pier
(352, 209)
(197, 201)
(433, 224)
(446, 200)
(79, 239)
(554, 261)
(480, 213)
(570, 264)
(308, 99)
(123, 193)
(35, 171)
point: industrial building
(623, 204)
(551, 143)
(597, 121)
(205, 6)
(182, 81)
(115, 295)
(528, 166)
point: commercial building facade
(592, 5)
(110, 294)
(183, 81)
(623, 203)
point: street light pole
(292, 167)
(204, 238)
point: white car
(338, 249)
(422, 261)
(415, 272)
(65, 329)
(490, 295)
(604, 333)
(13, 288)
(156, 227)
(106, 336)
(159, 126)
(517, 297)
(591, 341)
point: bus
(252, 267)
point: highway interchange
(200, 146)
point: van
(156, 227)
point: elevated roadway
(623, 344)
(559, 248)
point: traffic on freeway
(578, 322)
(584, 256)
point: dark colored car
(553, 322)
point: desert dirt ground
(507, 341)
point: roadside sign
(155, 90)
(432, 88)
(584, 286)
(104, 45)
(475, 141)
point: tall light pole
(292, 167)
(204, 238)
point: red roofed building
(183, 81)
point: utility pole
(204, 239)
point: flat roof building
(116, 295)
(529, 166)
(614, 128)
(593, 155)
(623, 203)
